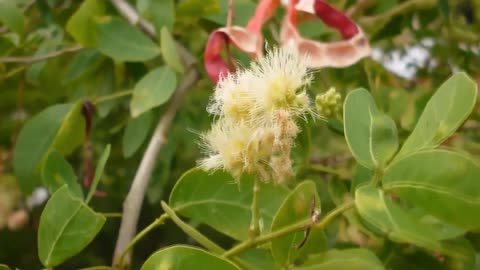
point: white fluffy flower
(257, 109)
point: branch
(372, 24)
(134, 200)
(34, 59)
(299, 226)
(358, 7)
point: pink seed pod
(332, 54)
(214, 64)
(335, 19)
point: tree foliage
(105, 100)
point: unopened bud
(329, 103)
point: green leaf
(160, 12)
(4, 267)
(303, 145)
(362, 176)
(11, 16)
(135, 133)
(244, 10)
(186, 258)
(98, 268)
(123, 42)
(52, 39)
(441, 182)
(370, 134)
(258, 259)
(71, 133)
(214, 199)
(197, 8)
(169, 50)
(67, 226)
(82, 23)
(84, 62)
(351, 259)
(58, 172)
(392, 220)
(153, 90)
(98, 172)
(295, 208)
(443, 230)
(33, 143)
(461, 254)
(446, 110)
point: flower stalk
(255, 208)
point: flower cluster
(257, 111)
(329, 103)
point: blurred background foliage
(60, 51)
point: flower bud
(329, 103)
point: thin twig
(34, 59)
(113, 96)
(192, 232)
(133, 202)
(248, 244)
(157, 222)
(358, 7)
(372, 24)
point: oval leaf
(123, 42)
(169, 51)
(135, 133)
(58, 172)
(214, 199)
(71, 133)
(444, 113)
(370, 134)
(33, 143)
(441, 182)
(11, 16)
(153, 90)
(295, 208)
(258, 259)
(82, 24)
(67, 226)
(392, 220)
(159, 12)
(186, 258)
(351, 259)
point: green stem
(113, 96)
(112, 215)
(254, 225)
(192, 232)
(323, 169)
(377, 177)
(248, 244)
(198, 236)
(157, 222)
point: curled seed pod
(214, 64)
(335, 19)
